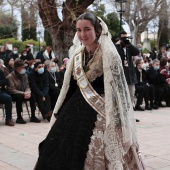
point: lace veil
(120, 131)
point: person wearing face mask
(23, 55)
(18, 87)
(156, 78)
(54, 82)
(27, 56)
(14, 53)
(39, 84)
(166, 75)
(145, 65)
(30, 67)
(143, 88)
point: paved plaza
(18, 144)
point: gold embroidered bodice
(95, 65)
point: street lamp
(39, 33)
(121, 11)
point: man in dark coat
(143, 88)
(39, 84)
(153, 54)
(156, 78)
(127, 51)
(14, 53)
(54, 82)
(6, 99)
(40, 54)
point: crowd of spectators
(39, 80)
(25, 78)
(148, 77)
(153, 80)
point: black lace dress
(66, 145)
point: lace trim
(95, 159)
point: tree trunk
(61, 31)
(134, 34)
(163, 31)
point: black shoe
(137, 120)
(21, 121)
(139, 108)
(161, 105)
(154, 106)
(148, 108)
(34, 119)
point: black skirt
(66, 145)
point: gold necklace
(88, 57)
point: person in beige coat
(18, 87)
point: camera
(125, 40)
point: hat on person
(19, 63)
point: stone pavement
(18, 144)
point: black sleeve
(22, 57)
(71, 91)
(45, 85)
(29, 57)
(3, 80)
(34, 87)
(134, 50)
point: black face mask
(29, 50)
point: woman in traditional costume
(92, 127)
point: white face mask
(156, 67)
(168, 54)
(53, 69)
(147, 64)
(41, 70)
(143, 66)
(23, 71)
(24, 54)
(32, 66)
(15, 52)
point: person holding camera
(127, 51)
